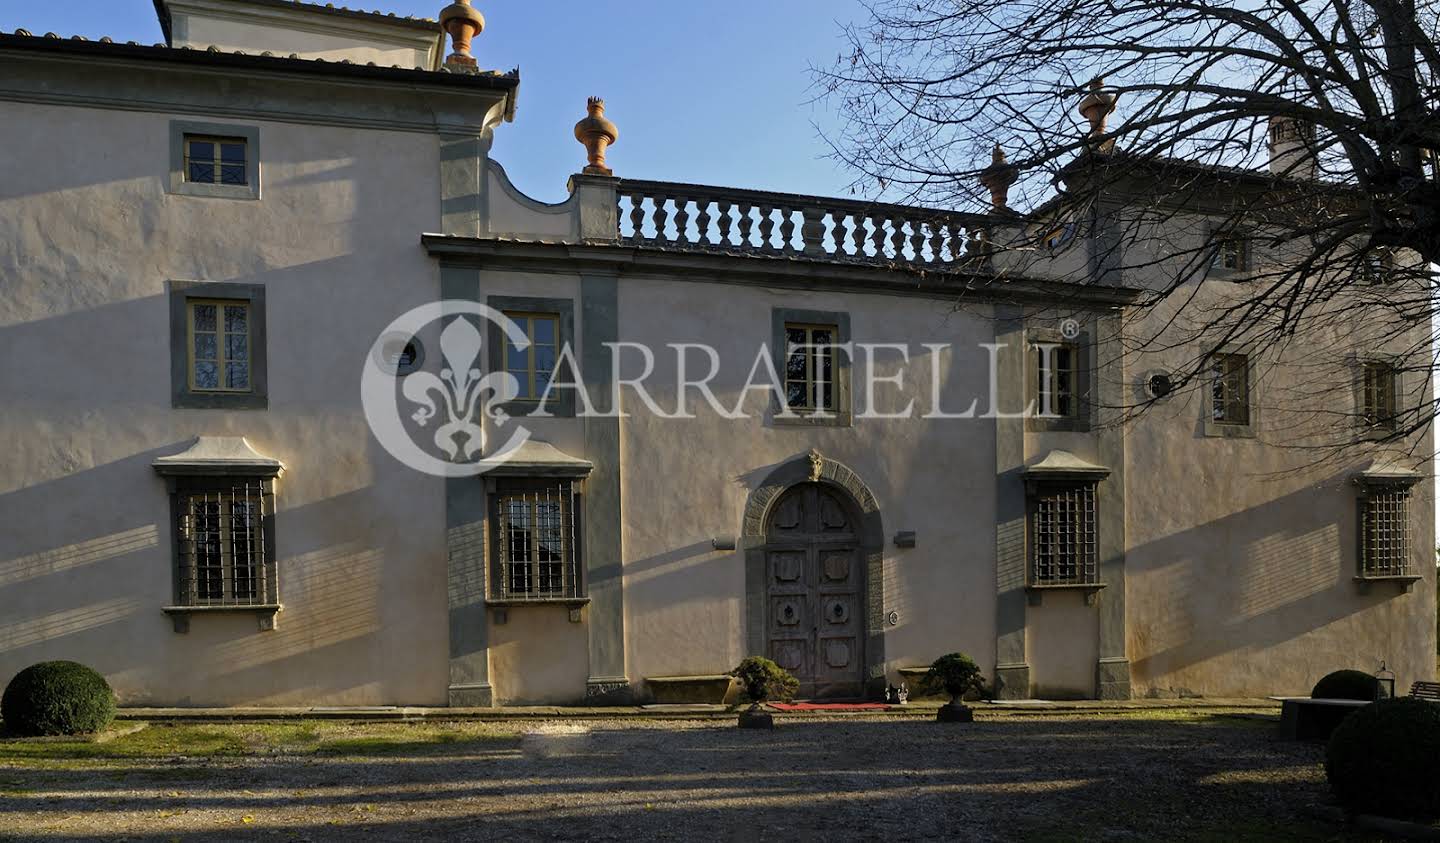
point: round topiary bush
(57, 698)
(1345, 685)
(762, 679)
(1385, 759)
(956, 674)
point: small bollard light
(1384, 683)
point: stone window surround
(561, 403)
(181, 395)
(179, 186)
(1220, 430)
(1084, 364)
(495, 489)
(1369, 483)
(844, 407)
(1059, 471)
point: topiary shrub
(1345, 685)
(1385, 759)
(57, 698)
(956, 673)
(762, 679)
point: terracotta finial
(997, 179)
(597, 134)
(1096, 107)
(462, 23)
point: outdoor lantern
(1384, 683)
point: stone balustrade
(702, 218)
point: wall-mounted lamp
(723, 542)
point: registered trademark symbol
(1069, 329)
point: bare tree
(1292, 141)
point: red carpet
(805, 706)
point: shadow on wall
(98, 600)
(1249, 582)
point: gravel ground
(1032, 777)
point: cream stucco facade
(1224, 565)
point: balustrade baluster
(937, 240)
(787, 229)
(767, 227)
(747, 225)
(812, 231)
(897, 237)
(682, 220)
(637, 216)
(877, 236)
(857, 235)
(917, 242)
(661, 216)
(725, 207)
(702, 220)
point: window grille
(1230, 389)
(1063, 536)
(1231, 253)
(214, 160)
(225, 556)
(1055, 382)
(810, 368)
(1378, 390)
(537, 540)
(1385, 533)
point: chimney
(1292, 148)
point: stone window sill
(1406, 582)
(501, 606)
(264, 614)
(1036, 593)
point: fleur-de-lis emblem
(459, 388)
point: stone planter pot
(955, 712)
(754, 718)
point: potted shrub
(957, 674)
(57, 698)
(762, 680)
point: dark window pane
(522, 378)
(795, 366)
(207, 375)
(205, 347)
(232, 152)
(232, 174)
(204, 317)
(795, 394)
(827, 395)
(515, 358)
(544, 359)
(204, 173)
(202, 151)
(820, 337)
(237, 347)
(545, 331)
(237, 375)
(236, 318)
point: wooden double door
(815, 594)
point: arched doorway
(815, 584)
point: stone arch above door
(816, 468)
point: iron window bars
(537, 541)
(1385, 532)
(1062, 535)
(226, 557)
(215, 160)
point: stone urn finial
(1096, 107)
(997, 179)
(462, 23)
(597, 134)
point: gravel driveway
(1032, 777)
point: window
(810, 368)
(537, 534)
(1385, 533)
(1062, 535)
(219, 345)
(1378, 395)
(1232, 253)
(1379, 266)
(217, 340)
(534, 365)
(1230, 389)
(215, 160)
(225, 559)
(1055, 377)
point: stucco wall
(305, 33)
(687, 481)
(85, 550)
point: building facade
(786, 440)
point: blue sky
(703, 92)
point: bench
(1308, 719)
(1426, 691)
(689, 690)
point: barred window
(537, 541)
(1055, 377)
(1062, 535)
(1230, 389)
(226, 557)
(1378, 395)
(1232, 253)
(1385, 533)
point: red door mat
(806, 706)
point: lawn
(1176, 775)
